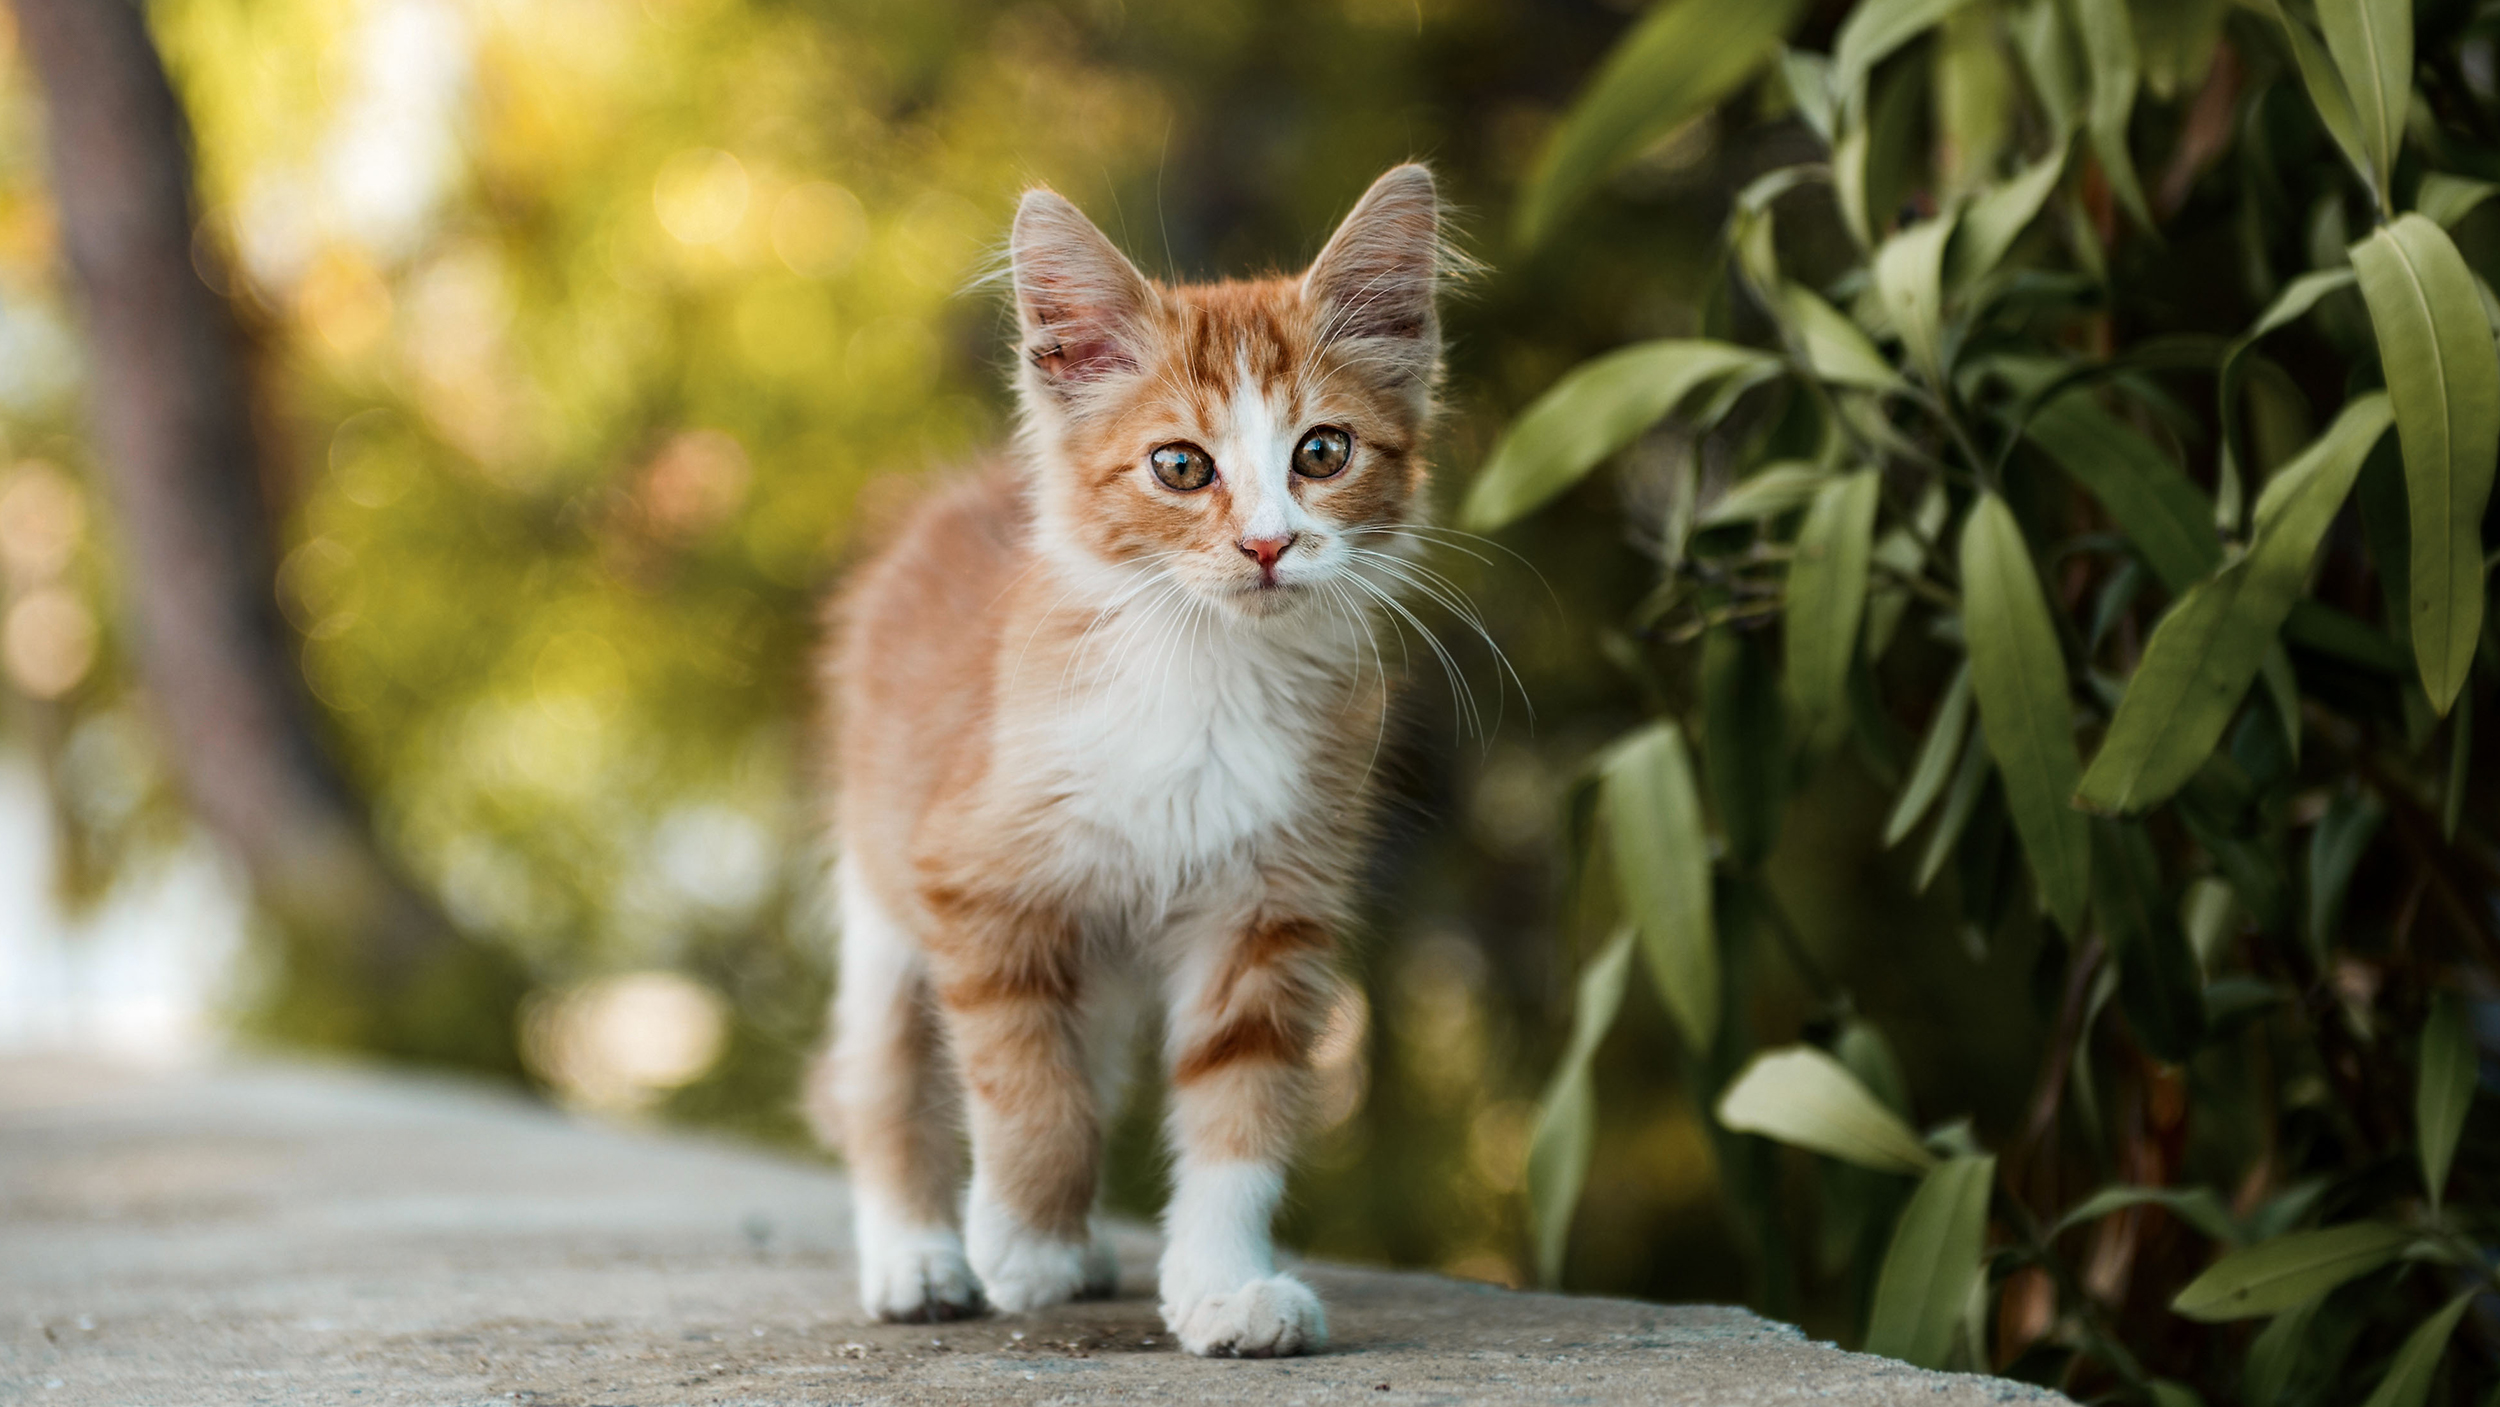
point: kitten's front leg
(1008, 982)
(1242, 1020)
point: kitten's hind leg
(890, 1103)
(1246, 1003)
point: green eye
(1323, 453)
(1182, 468)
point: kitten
(1105, 724)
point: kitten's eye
(1182, 468)
(1323, 453)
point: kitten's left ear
(1377, 277)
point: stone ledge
(285, 1233)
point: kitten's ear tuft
(1077, 297)
(1380, 271)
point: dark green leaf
(1801, 1096)
(2327, 95)
(1676, 64)
(2448, 199)
(1566, 1127)
(1999, 216)
(1936, 757)
(2197, 1206)
(2208, 648)
(2443, 376)
(1809, 79)
(1909, 278)
(2276, 1354)
(2335, 850)
(1744, 742)
(1970, 781)
(1827, 601)
(2408, 1380)
(1868, 1056)
(2371, 42)
(2018, 675)
(1834, 349)
(1662, 869)
(2158, 985)
(1595, 410)
(2164, 515)
(2444, 1090)
(2275, 1275)
(2296, 299)
(1932, 1264)
(1768, 492)
(1873, 30)
(2314, 625)
(2109, 50)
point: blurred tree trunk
(368, 960)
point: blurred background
(590, 340)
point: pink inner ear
(1086, 359)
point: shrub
(2115, 399)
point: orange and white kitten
(1105, 719)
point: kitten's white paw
(916, 1275)
(1021, 1274)
(1273, 1316)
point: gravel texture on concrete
(290, 1234)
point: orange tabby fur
(1095, 734)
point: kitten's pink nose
(1266, 550)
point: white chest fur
(1178, 745)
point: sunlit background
(598, 337)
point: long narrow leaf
(2446, 199)
(2208, 648)
(1597, 409)
(1872, 31)
(1661, 859)
(2372, 44)
(1827, 599)
(1999, 216)
(2275, 1275)
(1932, 1263)
(2296, 299)
(2444, 1090)
(1768, 492)
(2197, 1206)
(2158, 985)
(1936, 757)
(1677, 63)
(1970, 782)
(2164, 514)
(2408, 1380)
(2275, 1355)
(2444, 377)
(2109, 49)
(1802, 1096)
(1566, 1126)
(1909, 277)
(1835, 350)
(2328, 96)
(2019, 677)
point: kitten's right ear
(1077, 297)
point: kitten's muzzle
(1266, 551)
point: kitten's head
(1247, 439)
